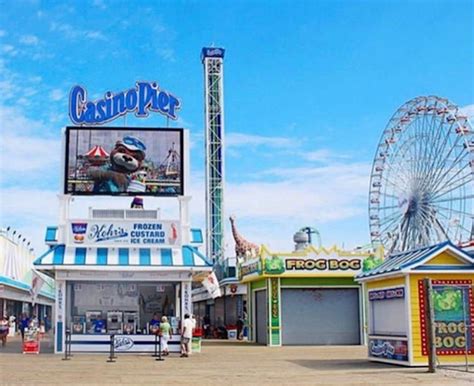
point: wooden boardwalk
(220, 363)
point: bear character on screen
(125, 159)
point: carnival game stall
(395, 296)
(307, 297)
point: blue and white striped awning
(413, 259)
(62, 255)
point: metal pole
(68, 338)
(155, 354)
(159, 352)
(429, 312)
(466, 357)
(112, 349)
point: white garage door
(320, 316)
(261, 316)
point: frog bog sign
(452, 314)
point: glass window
(118, 307)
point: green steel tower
(213, 61)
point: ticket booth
(395, 299)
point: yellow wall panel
(415, 314)
(445, 258)
(383, 283)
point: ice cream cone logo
(174, 234)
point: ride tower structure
(213, 61)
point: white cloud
(96, 35)
(56, 95)
(468, 111)
(167, 54)
(8, 49)
(234, 140)
(73, 33)
(270, 212)
(99, 4)
(14, 122)
(26, 158)
(29, 212)
(323, 156)
(29, 40)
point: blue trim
(80, 256)
(445, 268)
(199, 254)
(38, 261)
(102, 256)
(59, 336)
(188, 256)
(123, 256)
(22, 286)
(166, 257)
(145, 256)
(51, 234)
(58, 257)
(196, 236)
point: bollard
(67, 353)
(112, 349)
(159, 352)
(155, 353)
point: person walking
(186, 335)
(4, 327)
(165, 329)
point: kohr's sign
(143, 98)
(96, 233)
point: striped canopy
(62, 255)
(97, 152)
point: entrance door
(261, 316)
(320, 316)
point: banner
(36, 283)
(139, 233)
(211, 284)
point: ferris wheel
(422, 181)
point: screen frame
(124, 194)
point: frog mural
(274, 265)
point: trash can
(232, 332)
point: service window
(388, 317)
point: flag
(36, 283)
(212, 285)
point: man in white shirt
(186, 335)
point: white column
(184, 219)
(64, 203)
(186, 300)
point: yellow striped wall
(418, 357)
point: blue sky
(309, 87)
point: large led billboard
(124, 161)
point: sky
(309, 87)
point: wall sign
(148, 233)
(453, 305)
(250, 267)
(393, 349)
(213, 52)
(143, 98)
(387, 294)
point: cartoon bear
(125, 159)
